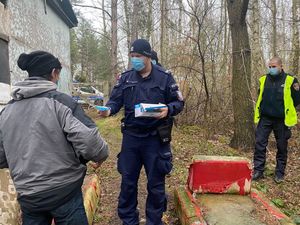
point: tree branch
(93, 7)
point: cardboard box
(148, 110)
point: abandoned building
(28, 25)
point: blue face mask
(137, 63)
(274, 71)
(153, 61)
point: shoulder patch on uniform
(124, 75)
(127, 71)
(163, 70)
(296, 86)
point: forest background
(216, 49)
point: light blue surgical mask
(137, 63)
(153, 61)
(274, 71)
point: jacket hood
(31, 87)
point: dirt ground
(189, 141)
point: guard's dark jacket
(272, 104)
(132, 89)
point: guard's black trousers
(282, 134)
(157, 161)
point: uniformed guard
(146, 140)
(275, 111)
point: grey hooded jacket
(45, 141)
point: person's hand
(105, 113)
(163, 113)
(96, 165)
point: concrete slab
(207, 199)
(228, 209)
(259, 198)
(188, 212)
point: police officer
(275, 111)
(143, 144)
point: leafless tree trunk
(127, 23)
(134, 20)
(149, 20)
(104, 17)
(114, 41)
(274, 28)
(295, 39)
(241, 75)
(181, 8)
(257, 55)
(162, 30)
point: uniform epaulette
(168, 72)
(126, 71)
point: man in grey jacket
(46, 140)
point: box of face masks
(148, 110)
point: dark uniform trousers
(157, 160)
(282, 134)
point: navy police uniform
(141, 145)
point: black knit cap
(154, 55)
(38, 63)
(141, 46)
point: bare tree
(274, 27)
(149, 21)
(163, 11)
(114, 40)
(104, 17)
(135, 15)
(295, 38)
(241, 75)
(257, 55)
(181, 8)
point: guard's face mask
(137, 64)
(274, 71)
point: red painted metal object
(220, 174)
